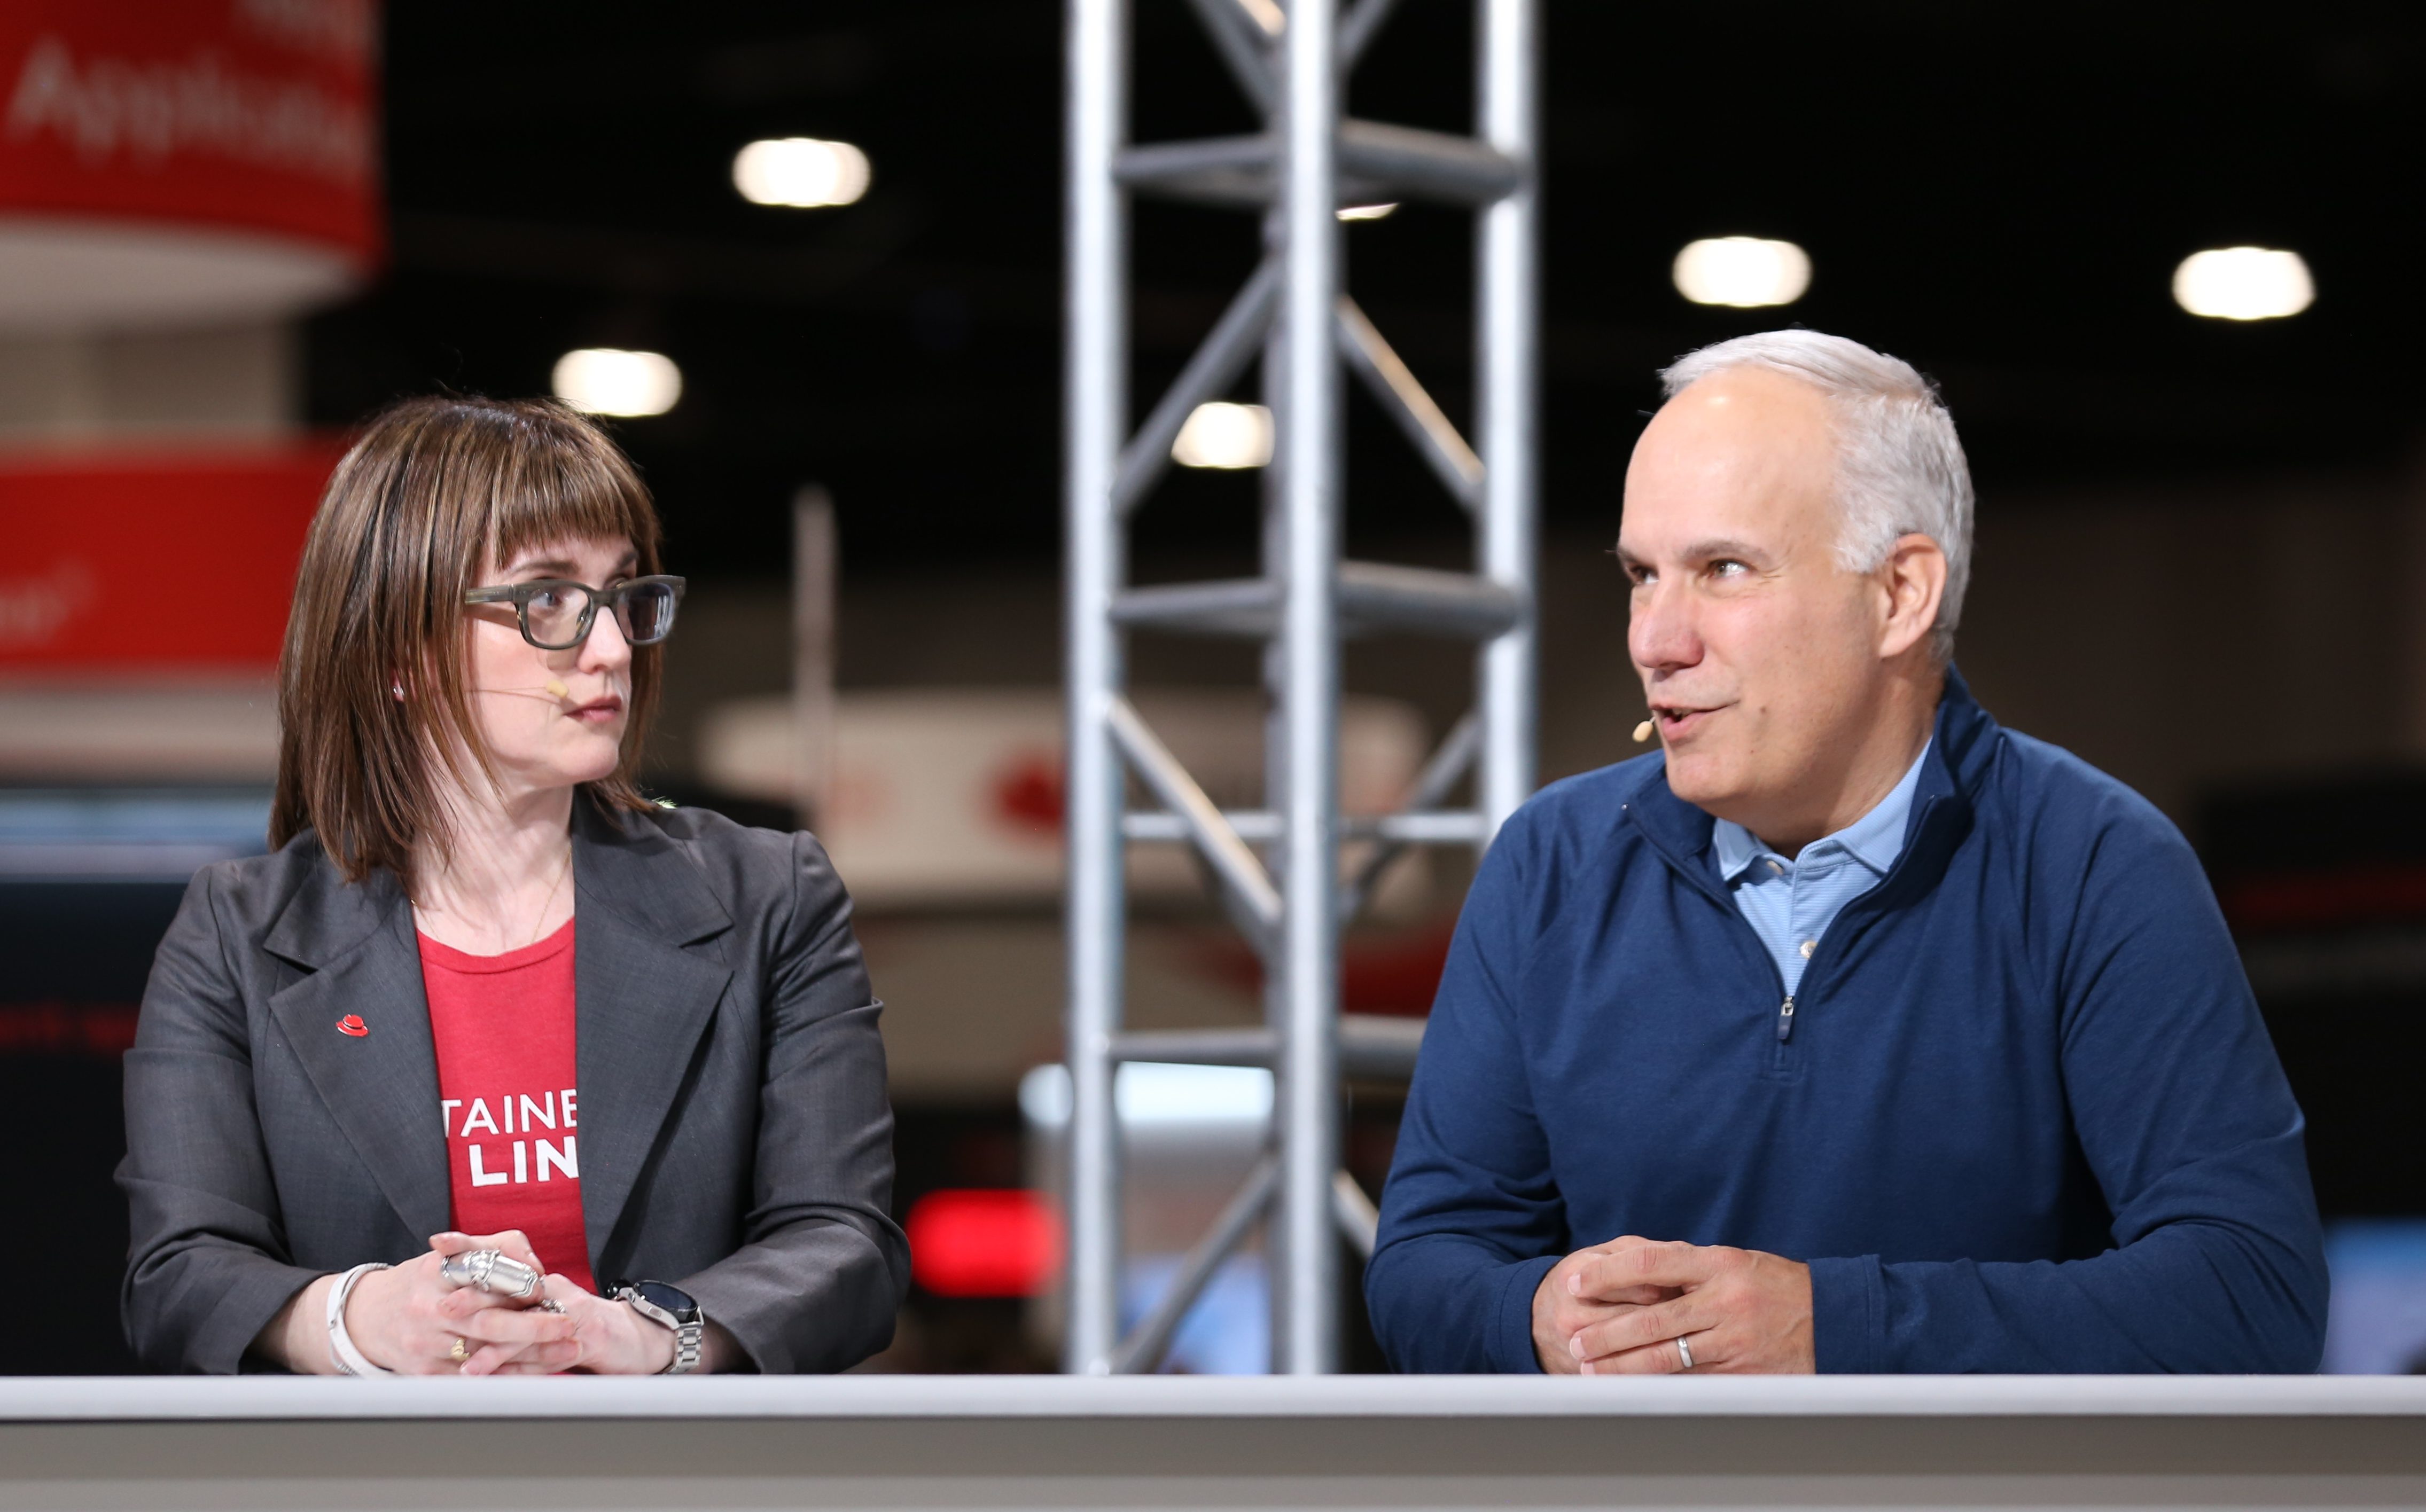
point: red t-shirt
(504, 1030)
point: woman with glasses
(492, 1065)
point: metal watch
(671, 1307)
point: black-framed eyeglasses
(557, 612)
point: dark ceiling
(1999, 194)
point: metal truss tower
(1280, 869)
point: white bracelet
(350, 1360)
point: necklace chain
(561, 874)
(563, 869)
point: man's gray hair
(1899, 469)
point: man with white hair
(1849, 1031)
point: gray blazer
(735, 1140)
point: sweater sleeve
(2184, 1118)
(1471, 1219)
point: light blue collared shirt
(1789, 904)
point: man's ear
(1914, 580)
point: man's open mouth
(1677, 720)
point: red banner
(253, 115)
(164, 563)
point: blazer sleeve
(207, 1264)
(822, 1269)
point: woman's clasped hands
(412, 1320)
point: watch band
(349, 1360)
(687, 1338)
(690, 1333)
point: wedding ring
(462, 1352)
(1684, 1352)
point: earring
(396, 688)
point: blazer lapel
(355, 943)
(647, 976)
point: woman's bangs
(584, 501)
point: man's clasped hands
(1621, 1308)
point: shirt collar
(1875, 839)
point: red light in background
(1003, 1242)
(104, 1029)
(1029, 796)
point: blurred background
(230, 228)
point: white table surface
(1032, 1443)
(52, 1399)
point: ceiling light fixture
(801, 173)
(1746, 272)
(2244, 283)
(607, 380)
(1268, 15)
(1226, 435)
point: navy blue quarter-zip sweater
(2021, 1114)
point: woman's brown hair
(431, 493)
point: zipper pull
(1786, 1021)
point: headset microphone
(556, 689)
(1643, 732)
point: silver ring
(499, 1274)
(1684, 1351)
